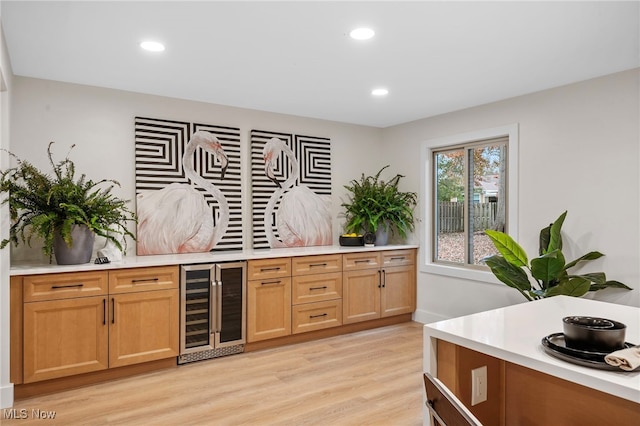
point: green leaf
(508, 273)
(595, 277)
(547, 268)
(555, 238)
(545, 236)
(575, 287)
(592, 255)
(508, 248)
(609, 284)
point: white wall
(579, 151)
(101, 124)
(6, 388)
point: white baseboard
(426, 317)
(6, 396)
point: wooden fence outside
(451, 218)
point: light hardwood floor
(372, 377)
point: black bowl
(593, 334)
(351, 241)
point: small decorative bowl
(351, 241)
(593, 334)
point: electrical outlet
(479, 385)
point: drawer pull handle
(277, 268)
(362, 261)
(145, 280)
(318, 288)
(313, 265)
(270, 282)
(317, 316)
(113, 310)
(104, 311)
(397, 258)
(53, 287)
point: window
(470, 183)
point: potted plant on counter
(64, 210)
(378, 206)
(546, 275)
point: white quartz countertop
(191, 258)
(514, 334)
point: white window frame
(427, 173)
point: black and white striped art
(188, 182)
(291, 187)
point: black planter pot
(81, 247)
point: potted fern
(546, 275)
(377, 206)
(64, 210)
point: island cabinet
(316, 292)
(268, 298)
(378, 285)
(81, 322)
(518, 395)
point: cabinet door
(308, 265)
(316, 316)
(143, 327)
(361, 295)
(269, 309)
(398, 291)
(316, 288)
(65, 337)
(68, 285)
(135, 280)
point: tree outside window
(470, 184)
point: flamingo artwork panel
(291, 190)
(188, 187)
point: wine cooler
(212, 315)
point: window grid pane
(469, 197)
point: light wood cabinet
(375, 288)
(316, 316)
(143, 327)
(143, 279)
(317, 293)
(68, 330)
(64, 286)
(65, 337)
(268, 299)
(320, 264)
(518, 395)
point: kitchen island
(525, 384)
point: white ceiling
(297, 58)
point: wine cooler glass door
(231, 304)
(197, 300)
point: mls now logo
(23, 413)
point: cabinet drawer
(269, 268)
(316, 288)
(316, 316)
(64, 286)
(399, 257)
(143, 279)
(367, 260)
(307, 265)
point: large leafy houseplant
(546, 275)
(43, 205)
(374, 202)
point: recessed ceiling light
(152, 46)
(380, 92)
(362, 33)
